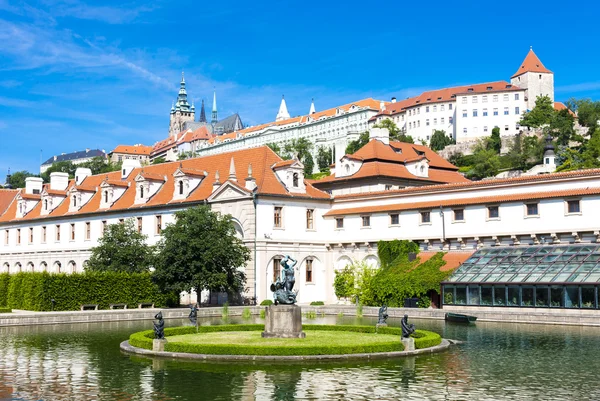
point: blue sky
(76, 75)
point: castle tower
(283, 112)
(181, 111)
(535, 78)
(202, 113)
(214, 117)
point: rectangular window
(532, 209)
(465, 130)
(464, 100)
(506, 128)
(505, 97)
(493, 212)
(441, 107)
(18, 236)
(6, 237)
(72, 231)
(495, 98)
(474, 99)
(516, 96)
(573, 206)
(58, 232)
(464, 114)
(517, 111)
(459, 215)
(425, 217)
(450, 106)
(495, 112)
(450, 120)
(484, 99)
(506, 111)
(43, 234)
(435, 121)
(103, 226)
(88, 230)
(139, 225)
(442, 120)
(427, 122)
(485, 128)
(366, 221)
(31, 235)
(310, 219)
(426, 109)
(158, 224)
(339, 222)
(434, 109)
(418, 123)
(474, 112)
(394, 219)
(485, 112)
(309, 267)
(277, 216)
(276, 268)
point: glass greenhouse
(555, 276)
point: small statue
(282, 288)
(193, 311)
(159, 327)
(383, 315)
(407, 328)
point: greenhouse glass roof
(570, 264)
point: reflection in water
(497, 361)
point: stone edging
(128, 348)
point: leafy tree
(588, 112)
(60, 167)
(439, 140)
(275, 148)
(486, 162)
(100, 165)
(495, 142)
(396, 134)
(159, 160)
(354, 146)
(562, 127)
(323, 159)
(343, 283)
(542, 114)
(201, 252)
(525, 152)
(17, 179)
(121, 249)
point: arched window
(74, 201)
(180, 187)
(142, 192)
(295, 180)
(43, 267)
(57, 266)
(72, 267)
(17, 267)
(30, 267)
(105, 196)
(45, 204)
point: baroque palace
(386, 190)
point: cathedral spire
(202, 113)
(312, 107)
(214, 119)
(182, 103)
(283, 112)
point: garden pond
(496, 361)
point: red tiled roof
(452, 259)
(133, 149)
(30, 196)
(464, 201)
(558, 106)
(284, 163)
(152, 176)
(6, 198)
(117, 183)
(531, 64)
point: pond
(496, 361)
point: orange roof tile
(56, 192)
(284, 163)
(531, 64)
(6, 198)
(30, 196)
(118, 183)
(133, 149)
(464, 201)
(152, 176)
(193, 173)
(558, 106)
(452, 259)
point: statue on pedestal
(282, 288)
(193, 313)
(407, 328)
(383, 315)
(159, 326)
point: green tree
(541, 115)
(343, 283)
(396, 134)
(323, 159)
(159, 160)
(202, 252)
(486, 162)
(59, 167)
(525, 152)
(121, 249)
(495, 142)
(17, 179)
(100, 165)
(562, 127)
(439, 140)
(275, 148)
(588, 112)
(354, 146)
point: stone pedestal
(409, 344)
(158, 345)
(283, 321)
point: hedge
(34, 291)
(143, 339)
(266, 302)
(5, 310)
(317, 303)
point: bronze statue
(383, 315)
(407, 328)
(282, 288)
(159, 327)
(193, 311)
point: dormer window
(295, 180)
(142, 192)
(105, 196)
(74, 201)
(46, 204)
(180, 187)
(470, 90)
(489, 88)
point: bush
(246, 313)
(426, 339)
(34, 291)
(317, 303)
(5, 310)
(4, 281)
(266, 302)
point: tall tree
(439, 140)
(323, 159)
(486, 162)
(201, 252)
(542, 114)
(495, 142)
(588, 112)
(396, 134)
(562, 127)
(353, 146)
(121, 249)
(17, 179)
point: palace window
(427, 122)
(30, 235)
(88, 230)
(366, 221)
(517, 111)
(464, 100)
(485, 128)
(495, 98)
(493, 212)
(58, 232)
(339, 222)
(450, 120)
(485, 112)
(276, 268)
(573, 207)
(18, 236)
(158, 224)
(43, 234)
(532, 209)
(309, 268)
(139, 224)
(459, 214)
(484, 99)
(450, 106)
(506, 111)
(495, 112)
(72, 231)
(426, 109)
(394, 219)
(474, 112)
(464, 113)
(277, 216)
(505, 97)
(310, 219)
(425, 217)
(474, 100)
(516, 96)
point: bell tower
(535, 78)
(181, 111)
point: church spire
(283, 112)
(182, 103)
(214, 118)
(312, 107)
(202, 113)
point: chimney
(381, 106)
(394, 99)
(33, 185)
(128, 166)
(381, 134)
(250, 181)
(59, 181)
(81, 174)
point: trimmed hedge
(317, 303)
(34, 291)
(266, 302)
(143, 339)
(5, 310)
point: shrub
(311, 314)
(426, 339)
(225, 311)
(359, 310)
(424, 302)
(317, 303)
(34, 291)
(266, 302)
(262, 314)
(4, 281)
(246, 313)
(5, 310)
